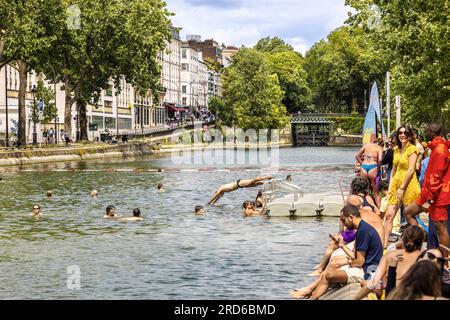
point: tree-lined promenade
(87, 44)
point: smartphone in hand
(333, 238)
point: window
(125, 123)
(98, 120)
(183, 89)
(109, 91)
(184, 66)
(183, 53)
(184, 102)
(110, 123)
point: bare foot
(300, 293)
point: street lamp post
(33, 91)
(78, 124)
(54, 92)
(6, 110)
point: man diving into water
(241, 183)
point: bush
(352, 124)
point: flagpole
(388, 102)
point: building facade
(170, 78)
(227, 55)
(210, 49)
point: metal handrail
(272, 186)
(353, 175)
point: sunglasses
(432, 257)
(36, 208)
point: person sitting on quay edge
(412, 239)
(421, 282)
(333, 253)
(289, 178)
(110, 212)
(365, 258)
(136, 216)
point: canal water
(172, 254)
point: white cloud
(244, 22)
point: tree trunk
(21, 136)
(2, 46)
(68, 106)
(81, 105)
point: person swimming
(136, 216)
(110, 212)
(36, 214)
(259, 201)
(250, 209)
(199, 210)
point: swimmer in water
(110, 212)
(136, 216)
(36, 214)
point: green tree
(253, 93)
(115, 40)
(47, 97)
(273, 45)
(342, 68)
(26, 38)
(414, 35)
(224, 113)
(288, 66)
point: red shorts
(438, 213)
(421, 199)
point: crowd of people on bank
(389, 258)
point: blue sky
(243, 22)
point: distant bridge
(312, 129)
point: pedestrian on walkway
(435, 193)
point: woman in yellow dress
(404, 186)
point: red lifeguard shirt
(436, 185)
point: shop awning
(173, 108)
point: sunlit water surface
(172, 254)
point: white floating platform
(309, 205)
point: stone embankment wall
(346, 140)
(30, 156)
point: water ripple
(172, 254)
